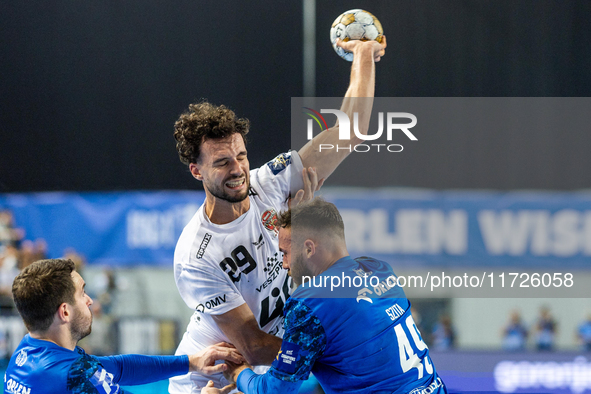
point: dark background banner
(89, 92)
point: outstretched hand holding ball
(351, 46)
(354, 26)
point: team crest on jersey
(269, 219)
(21, 359)
(279, 163)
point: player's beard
(298, 269)
(218, 191)
(82, 325)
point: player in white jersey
(220, 267)
(227, 261)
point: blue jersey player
(347, 322)
(50, 296)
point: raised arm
(359, 98)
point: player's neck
(59, 336)
(327, 257)
(222, 212)
(336, 256)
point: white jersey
(220, 267)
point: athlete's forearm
(262, 350)
(362, 73)
(132, 369)
(250, 383)
(359, 96)
(243, 331)
(358, 99)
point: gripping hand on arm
(233, 371)
(204, 361)
(209, 389)
(311, 185)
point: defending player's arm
(133, 369)
(304, 341)
(359, 99)
(310, 186)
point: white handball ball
(355, 24)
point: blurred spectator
(545, 330)
(416, 315)
(28, 255)
(40, 249)
(443, 334)
(108, 289)
(9, 235)
(78, 259)
(9, 263)
(515, 334)
(584, 334)
(5, 353)
(104, 286)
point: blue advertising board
(107, 228)
(468, 228)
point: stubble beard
(81, 326)
(299, 270)
(219, 192)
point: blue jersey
(355, 339)
(42, 367)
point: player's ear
(309, 248)
(64, 312)
(195, 171)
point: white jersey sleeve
(279, 177)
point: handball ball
(355, 25)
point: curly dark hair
(40, 289)
(205, 121)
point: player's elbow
(261, 350)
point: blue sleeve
(250, 383)
(303, 342)
(132, 369)
(88, 376)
